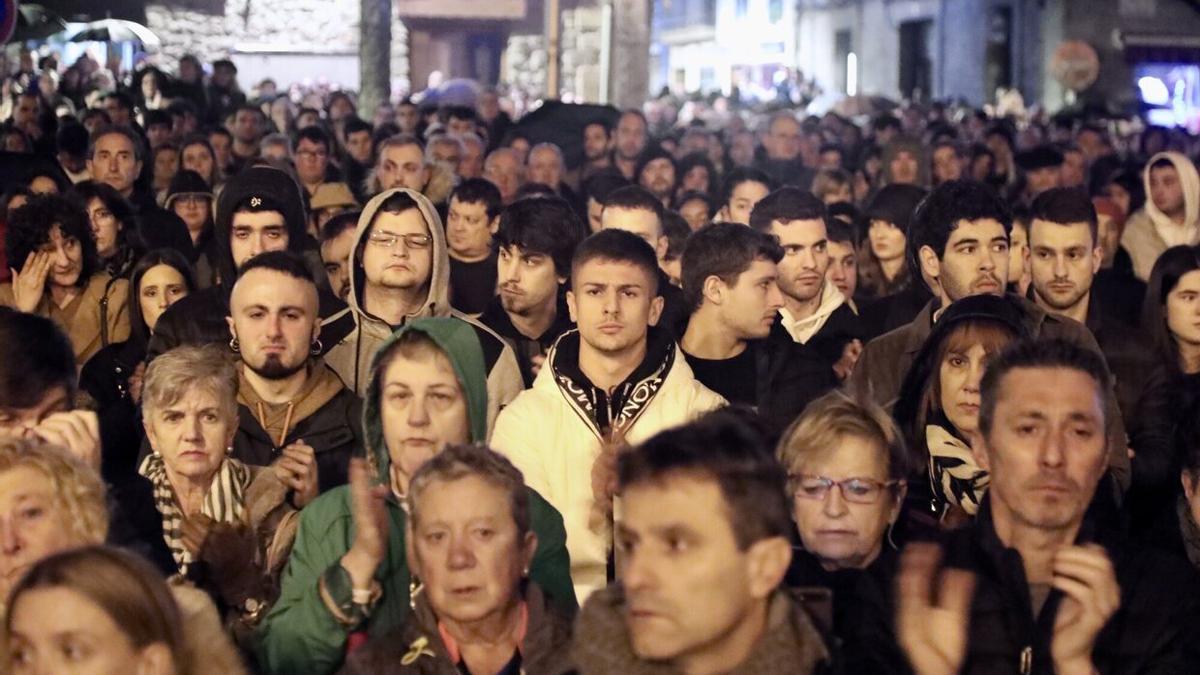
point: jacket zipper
(1026, 660)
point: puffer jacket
(364, 333)
(553, 433)
(307, 631)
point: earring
(234, 345)
(317, 347)
(892, 542)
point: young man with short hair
(843, 261)
(629, 141)
(1039, 581)
(958, 238)
(633, 209)
(471, 222)
(535, 241)
(614, 378)
(248, 127)
(337, 245)
(294, 412)
(312, 153)
(703, 543)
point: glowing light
(851, 74)
(1154, 91)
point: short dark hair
(1064, 206)
(677, 231)
(335, 226)
(139, 149)
(35, 357)
(159, 117)
(123, 99)
(542, 225)
(459, 112)
(724, 250)
(743, 174)
(29, 228)
(218, 131)
(939, 213)
(604, 124)
(355, 124)
(728, 447)
(618, 246)
(312, 134)
(603, 183)
(284, 262)
(633, 198)
(479, 191)
(785, 204)
(1039, 353)
(840, 232)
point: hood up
(278, 191)
(460, 344)
(1189, 179)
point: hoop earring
(316, 348)
(234, 345)
(892, 542)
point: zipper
(1026, 660)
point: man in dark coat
(293, 410)
(1037, 584)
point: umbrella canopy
(562, 124)
(35, 22)
(117, 30)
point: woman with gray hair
(470, 544)
(215, 510)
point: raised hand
(850, 354)
(368, 504)
(296, 468)
(76, 430)
(29, 284)
(1085, 575)
(932, 619)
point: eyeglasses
(854, 490)
(411, 241)
(312, 154)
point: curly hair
(79, 493)
(29, 229)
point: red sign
(8, 19)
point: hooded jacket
(364, 332)
(325, 415)
(553, 434)
(200, 317)
(1149, 231)
(308, 628)
(790, 642)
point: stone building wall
(301, 25)
(579, 62)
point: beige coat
(103, 302)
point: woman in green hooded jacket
(347, 578)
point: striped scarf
(224, 502)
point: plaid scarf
(224, 502)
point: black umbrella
(562, 124)
(35, 22)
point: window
(741, 8)
(775, 11)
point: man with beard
(781, 158)
(249, 126)
(535, 241)
(292, 408)
(631, 138)
(958, 238)
(1065, 254)
(656, 171)
(616, 377)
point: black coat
(105, 378)
(890, 312)
(334, 432)
(497, 319)
(1155, 630)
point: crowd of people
(289, 390)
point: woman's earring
(317, 347)
(892, 542)
(234, 345)
(414, 589)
